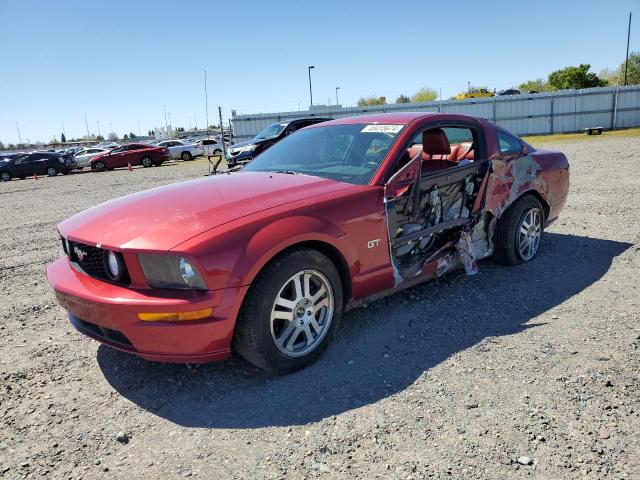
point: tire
(262, 321)
(186, 156)
(99, 166)
(146, 162)
(52, 171)
(512, 245)
(5, 176)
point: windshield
(347, 153)
(271, 131)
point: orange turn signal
(175, 316)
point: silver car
(179, 149)
(83, 157)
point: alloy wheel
(52, 172)
(302, 313)
(529, 233)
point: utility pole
(166, 125)
(626, 62)
(310, 90)
(98, 124)
(206, 102)
(224, 148)
(19, 136)
(337, 102)
(86, 124)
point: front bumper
(109, 314)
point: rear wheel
(52, 172)
(6, 176)
(100, 166)
(519, 231)
(146, 162)
(186, 156)
(291, 312)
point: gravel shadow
(379, 350)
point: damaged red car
(265, 261)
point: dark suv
(36, 163)
(246, 151)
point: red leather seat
(436, 151)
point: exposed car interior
(424, 216)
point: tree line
(572, 77)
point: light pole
(170, 127)
(98, 124)
(626, 62)
(310, 90)
(86, 124)
(166, 125)
(337, 102)
(468, 87)
(19, 136)
(206, 103)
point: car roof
(401, 118)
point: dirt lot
(454, 379)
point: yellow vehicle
(477, 93)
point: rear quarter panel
(545, 172)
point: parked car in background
(181, 149)
(211, 147)
(84, 157)
(509, 91)
(478, 93)
(130, 154)
(268, 136)
(36, 163)
(266, 260)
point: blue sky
(121, 61)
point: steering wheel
(371, 164)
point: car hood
(249, 142)
(162, 218)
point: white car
(211, 147)
(179, 149)
(83, 157)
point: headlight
(115, 266)
(170, 271)
(249, 148)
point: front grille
(103, 332)
(92, 261)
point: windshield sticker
(382, 128)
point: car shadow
(379, 350)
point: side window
(509, 143)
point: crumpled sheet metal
(464, 247)
(510, 179)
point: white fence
(529, 114)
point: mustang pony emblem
(80, 254)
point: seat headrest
(435, 142)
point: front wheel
(519, 231)
(52, 172)
(100, 166)
(291, 312)
(186, 156)
(147, 162)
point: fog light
(175, 316)
(115, 266)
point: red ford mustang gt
(267, 259)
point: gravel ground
(527, 372)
